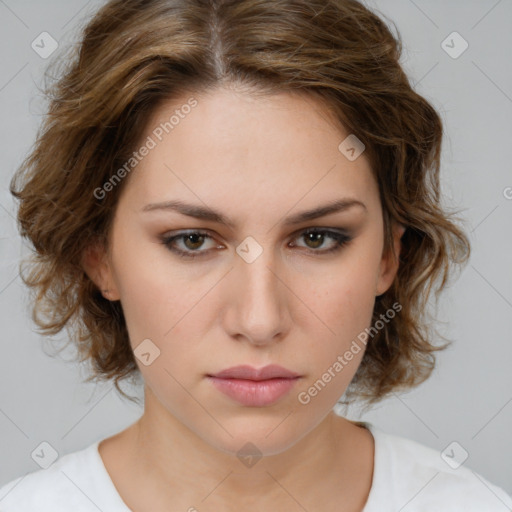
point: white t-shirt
(407, 477)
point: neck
(185, 471)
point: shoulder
(65, 485)
(415, 477)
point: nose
(257, 309)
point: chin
(258, 436)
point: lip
(255, 388)
(246, 372)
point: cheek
(344, 301)
(152, 298)
(143, 301)
(160, 305)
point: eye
(192, 241)
(187, 244)
(316, 237)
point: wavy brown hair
(133, 55)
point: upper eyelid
(179, 234)
(211, 234)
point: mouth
(255, 388)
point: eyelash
(340, 239)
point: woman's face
(257, 290)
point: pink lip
(252, 387)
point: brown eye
(195, 240)
(315, 238)
(191, 242)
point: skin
(256, 160)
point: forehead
(224, 145)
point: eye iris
(315, 238)
(191, 238)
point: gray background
(468, 399)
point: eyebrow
(206, 213)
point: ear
(389, 263)
(97, 266)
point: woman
(239, 201)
